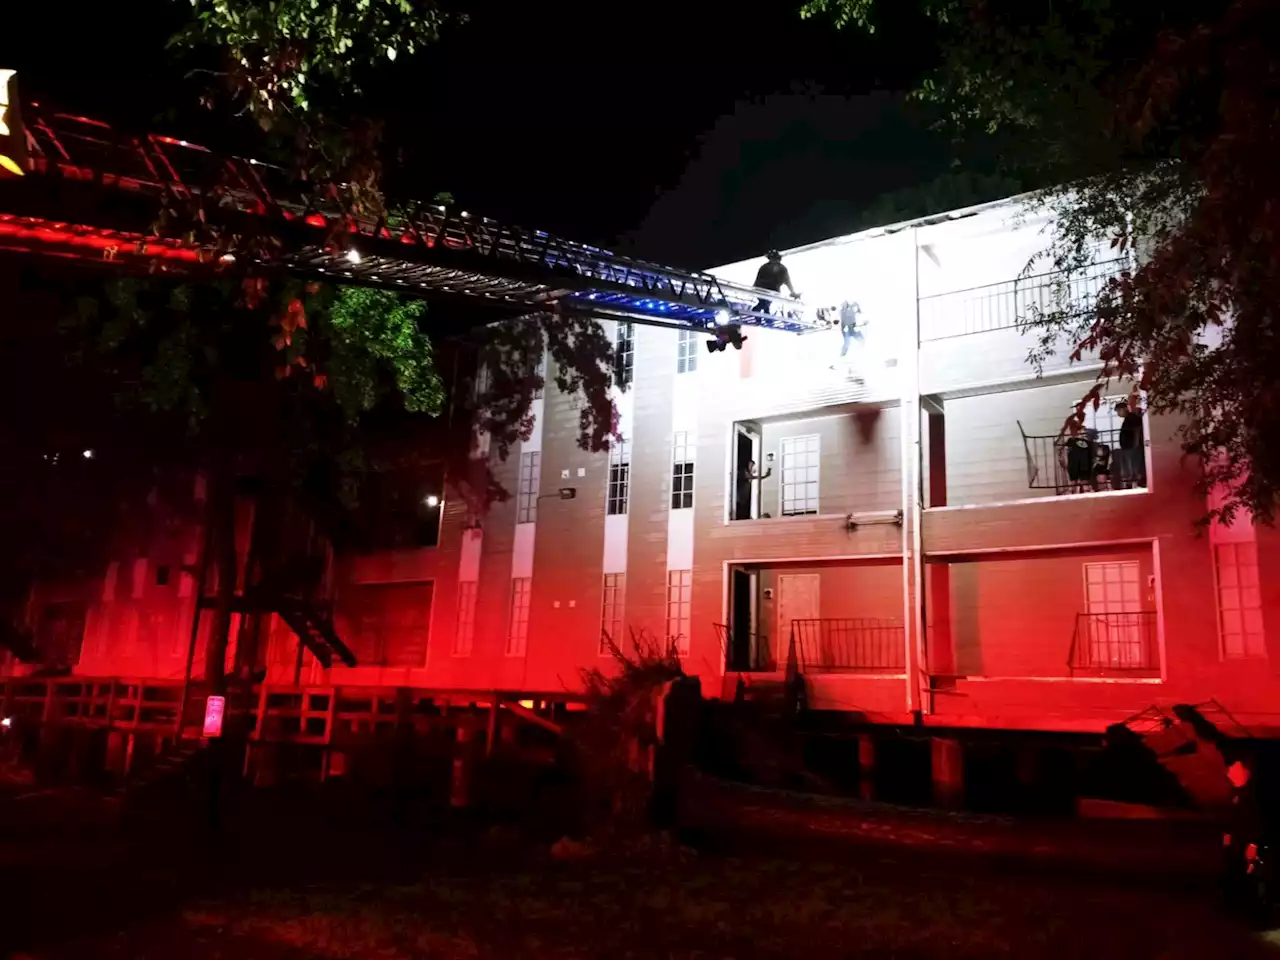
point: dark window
(619, 478)
(624, 355)
(681, 472)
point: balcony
(1006, 446)
(819, 465)
(849, 645)
(1002, 306)
(1087, 463)
(973, 337)
(1125, 643)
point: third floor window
(527, 492)
(624, 354)
(681, 471)
(686, 352)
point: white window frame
(1123, 568)
(686, 352)
(1246, 594)
(618, 494)
(811, 463)
(518, 616)
(612, 608)
(679, 609)
(682, 470)
(527, 490)
(465, 630)
(624, 349)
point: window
(615, 585)
(386, 624)
(679, 603)
(624, 354)
(59, 632)
(800, 459)
(619, 479)
(465, 632)
(686, 352)
(518, 632)
(1116, 631)
(527, 491)
(1239, 600)
(681, 472)
(483, 382)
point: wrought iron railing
(1057, 463)
(755, 657)
(835, 645)
(1115, 641)
(998, 306)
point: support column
(866, 767)
(463, 767)
(947, 760)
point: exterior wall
(997, 566)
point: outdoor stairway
(165, 768)
(315, 631)
(1186, 742)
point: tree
(1153, 127)
(309, 388)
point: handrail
(848, 644)
(1124, 640)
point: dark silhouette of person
(850, 324)
(1131, 457)
(773, 275)
(746, 480)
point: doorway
(746, 492)
(745, 650)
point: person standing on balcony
(773, 275)
(1131, 456)
(746, 485)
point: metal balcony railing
(999, 306)
(859, 644)
(757, 657)
(1115, 641)
(1054, 465)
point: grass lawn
(504, 899)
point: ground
(316, 886)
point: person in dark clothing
(1130, 458)
(850, 325)
(773, 275)
(1244, 840)
(746, 478)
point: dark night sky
(687, 132)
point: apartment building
(897, 515)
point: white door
(1113, 602)
(797, 600)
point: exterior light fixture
(87, 454)
(7, 722)
(353, 255)
(723, 317)
(432, 501)
(568, 493)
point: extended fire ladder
(76, 187)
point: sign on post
(214, 708)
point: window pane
(464, 634)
